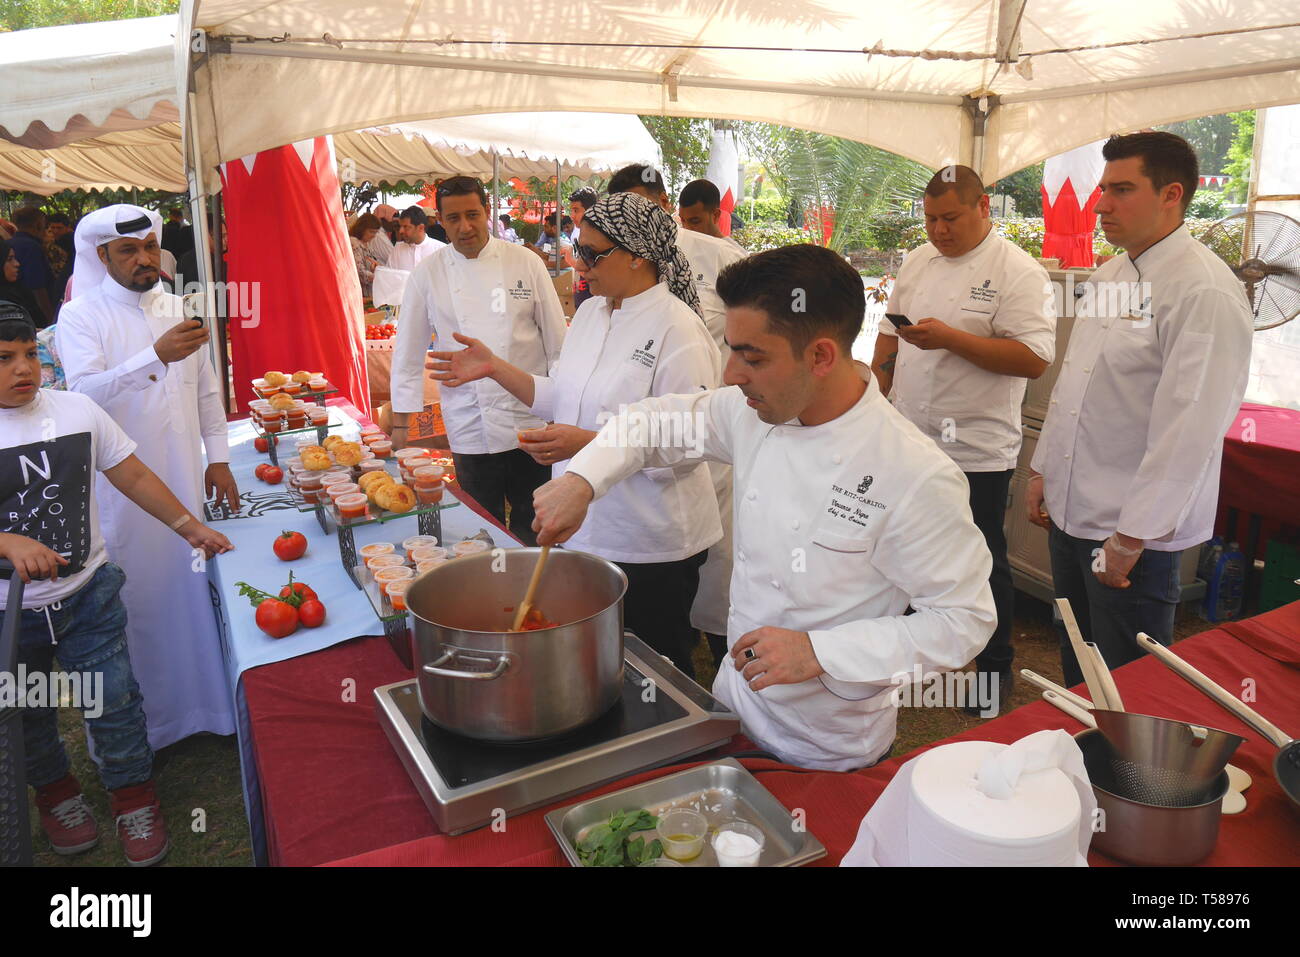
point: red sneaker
(140, 825)
(66, 817)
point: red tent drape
(285, 228)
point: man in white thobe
(124, 342)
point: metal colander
(1161, 762)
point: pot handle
(432, 668)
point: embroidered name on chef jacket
(520, 292)
(982, 295)
(644, 356)
(851, 504)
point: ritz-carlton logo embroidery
(520, 293)
(645, 356)
(851, 505)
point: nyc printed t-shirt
(50, 450)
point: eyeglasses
(589, 256)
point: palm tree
(856, 181)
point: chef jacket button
(1053, 402)
(152, 377)
(1074, 411)
(1087, 370)
(837, 459)
(752, 495)
(776, 584)
(740, 555)
(1067, 455)
(795, 524)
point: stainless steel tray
(721, 791)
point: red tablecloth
(335, 791)
(1261, 462)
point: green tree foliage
(684, 143)
(1210, 136)
(1025, 188)
(1240, 155)
(26, 14)
(857, 181)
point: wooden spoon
(527, 603)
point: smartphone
(898, 319)
(192, 307)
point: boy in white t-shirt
(51, 445)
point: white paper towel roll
(952, 822)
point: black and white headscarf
(647, 232)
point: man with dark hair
(498, 292)
(700, 209)
(983, 324)
(415, 244)
(708, 256)
(1126, 473)
(846, 517)
(505, 230)
(580, 201)
(52, 443)
(28, 245)
(176, 235)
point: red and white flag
(1070, 193)
(284, 223)
(724, 173)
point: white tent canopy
(998, 84)
(92, 107)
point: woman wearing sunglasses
(640, 335)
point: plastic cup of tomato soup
(397, 592)
(469, 547)
(409, 545)
(352, 507)
(376, 548)
(383, 448)
(394, 573)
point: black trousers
(495, 478)
(988, 505)
(658, 606)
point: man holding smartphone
(126, 342)
(982, 323)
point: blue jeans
(1112, 617)
(90, 626)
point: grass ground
(199, 782)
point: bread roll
(275, 378)
(394, 497)
(347, 453)
(301, 376)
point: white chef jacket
(839, 528)
(450, 293)
(1134, 430)
(708, 255)
(105, 341)
(409, 255)
(653, 345)
(996, 290)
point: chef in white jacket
(638, 336)
(124, 342)
(1126, 473)
(707, 255)
(500, 293)
(845, 516)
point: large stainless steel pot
(478, 679)
(1145, 834)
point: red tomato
(306, 591)
(311, 613)
(263, 445)
(260, 471)
(277, 618)
(272, 475)
(290, 545)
